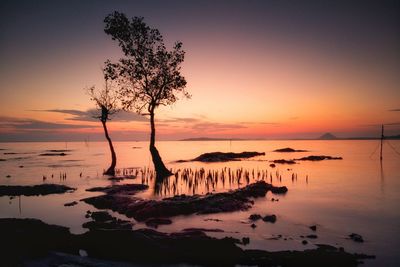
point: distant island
(389, 137)
(329, 136)
(326, 136)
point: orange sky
(246, 80)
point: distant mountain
(209, 139)
(328, 136)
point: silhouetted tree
(106, 105)
(149, 75)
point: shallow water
(356, 194)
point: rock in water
(319, 158)
(70, 204)
(155, 222)
(222, 157)
(356, 237)
(288, 150)
(143, 209)
(254, 217)
(33, 190)
(270, 218)
(283, 161)
(246, 240)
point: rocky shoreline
(30, 239)
(34, 190)
(224, 156)
(117, 200)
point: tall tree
(149, 75)
(106, 105)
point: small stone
(212, 220)
(255, 217)
(70, 204)
(269, 218)
(253, 225)
(313, 227)
(312, 236)
(83, 253)
(356, 237)
(155, 222)
(272, 165)
(304, 242)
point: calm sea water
(357, 194)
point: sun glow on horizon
(252, 78)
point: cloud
(264, 123)
(396, 109)
(25, 129)
(88, 115)
(125, 116)
(31, 124)
(201, 123)
(198, 123)
(62, 136)
(180, 120)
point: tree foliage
(105, 99)
(149, 75)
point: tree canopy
(106, 100)
(149, 75)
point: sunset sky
(255, 69)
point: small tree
(149, 75)
(106, 105)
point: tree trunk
(161, 170)
(111, 169)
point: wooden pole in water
(381, 142)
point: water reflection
(382, 179)
(191, 181)
(19, 204)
